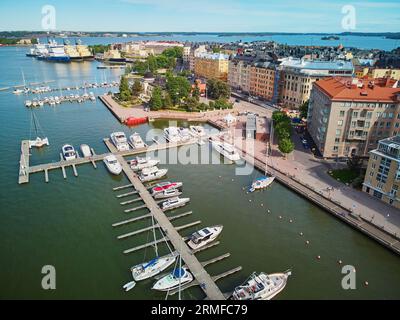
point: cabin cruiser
(142, 163)
(152, 268)
(170, 193)
(177, 278)
(161, 187)
(136, 141)
(201, 238)
(184, 134)
(174, 203)
(172, 135)
(261, 183)
(119, 140)
(261, 286)
(197, 131)
(227, 150)
(86, 152)
(113, 165)
(153, 173)
(68, 152)
(39, 142)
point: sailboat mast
(154, 234)
(180, 278)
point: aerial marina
(204, 166)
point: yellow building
(384, 73)
(382, 179)
(212, 66)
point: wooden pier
(24, 170)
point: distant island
(330, 38)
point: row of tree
(283, 130)
(127, 93)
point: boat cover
(151, 263)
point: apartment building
(298, 75)
(186, 53)
(239, 73)
(195, 51)
(349, 116)
(212, 66)
(263, 79)
(382, 179)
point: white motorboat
(184, 134)
(172, 135)
(161, 187)
(141, 163)
(28, 103)
(203, 237)
(177, 278)
(227, 150)
(174, 203)
(129, 286)
(119, 140)
(197, 131)
(261, 183)
(136, 141)
(152, 268)
(153, 173)
(170, 193)
(261, 286)
(18, 91)
(39, 142)
(68, 152)
(86, 152)
(112, 164)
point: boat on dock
(261, 286)
(170, 193)
(203, 237)
(86, 151)
(113, 165)
(177, 278)
(197, 131)
(151, 174)
(227, 150)
(184, 134)
(55, 53)
(174, 203)
(152, 268)
(68, 152)
(161, 187)
(263, 182)
(172, 135)
(140, 163)
(119, 140)
(136, 141)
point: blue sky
(202, 15)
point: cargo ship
(84, 51)
(56, 53)
(72, 52)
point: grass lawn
(344, 175)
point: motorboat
(140, 163)
(136, 141)
(18, 91)
(161, 187)
(119, 140)
(152, 268)
(174, 203)
(261, 286)
(112, 164)
(184, 134)
(203, 237)
(129, 286)
(227, 150)
(151, 174)
(28, 103)
(172, 135)
(39, 142)
(170, 193)
(197, 131)
(177, 278)
(261, 183)
(68, 152)
(86, 152)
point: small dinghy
(129, 286)
(86, 152)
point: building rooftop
(345, 89)
(213, 56)
(317, 64)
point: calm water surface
(67, 223)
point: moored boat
(86, 152)
(177, 278)
(151, 174)
(136, 141)
(261, 183)
(197, 131)
(174, 203)
(140, 163)
(152, 268)
(161, 187)
(172, 135)
(129, 286)
(119, 140)
(202, 237)
(112, 164)
(68, 152)
(227, 150)
(170, 193)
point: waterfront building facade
(349, 116)
(239, 69)
(212, 66)
(262, 80)
(195, 51)
(382, 179)
(298, 75)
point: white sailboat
(263, 182)
(38, 142)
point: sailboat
(157, 265)
(263, 182)
(38, 142)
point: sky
(204, 15)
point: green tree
(286, 146)
(156, 101)
(178, 88)
(175, 52)
(196, 92)
(124, 91)
(279, 116)
(218, 89)
(191, 104)
(304, 109)
(167, 101)
(137, 89)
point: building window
(342, 113)
(335, 148)
(340, 123)
(338, 132)
(377, 194)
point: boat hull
(162, 264)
